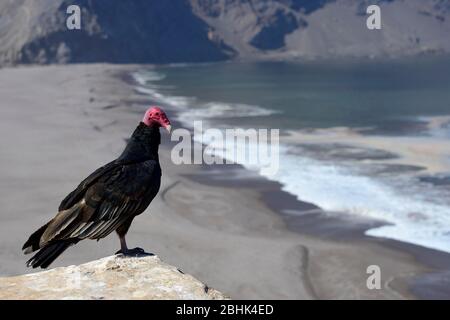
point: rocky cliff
(327, 28)
(141, 31)
(138, 31)
(113, 277)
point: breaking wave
(189, 108)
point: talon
(131, 252)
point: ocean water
(320, 107)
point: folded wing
(100, 204)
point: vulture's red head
(154, 116)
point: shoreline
(374, 169)
(225, 233)
(310, 219)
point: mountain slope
(141, 31)
(328, 28)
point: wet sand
(59, 123)
(429, 154)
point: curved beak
(168, 128)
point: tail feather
(49, 253)
(32, 243)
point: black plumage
(107, 200)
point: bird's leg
(123, 244)
(121, 232)
(128, 252)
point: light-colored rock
(112, 277)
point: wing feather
(103, 201)
(76, 195)
(83, 226)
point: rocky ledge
(114, 277)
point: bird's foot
(136, 252)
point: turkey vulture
(108, 199)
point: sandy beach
(59, 123)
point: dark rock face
(362, 6)
(137, 31)
(272, 34)
(307, 6)
(152, 31)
